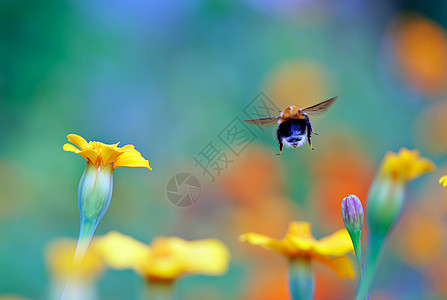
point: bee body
(292, 132)
(294, 126)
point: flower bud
(352, 212)
(95, 191)
(386, 200)
(94, 195)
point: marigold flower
(166, 259)
(386, 195)
(386, 201)
(96, 184)
(405, 165)
(443, 181)
(299, 242)
(101, 154)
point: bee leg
(309, 133)
(310, 143)
(309, 126)
(280, 148)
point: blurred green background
(167, 77)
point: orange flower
(421, 50)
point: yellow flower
(386, 194)
(443, 180)
(166, 259)
(96, 184)
(101, 154)
(299, 242)
(59, 258)
(405, 165)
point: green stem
(377, 243)
(355, 237)
(301, 279)
(86, 232)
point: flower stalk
(159, 290)
(301, 278)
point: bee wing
(264, 121)
(320, 107)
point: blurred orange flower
(433, 121)
(298, 82)
(255, 186)
(346, 168)
(254, 177)
(421, 51)
(420, 227)
(267, 285)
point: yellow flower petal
(342, 266)
(71, 148)
(122, 252)
(127, 147)
(167, 258)
(265, 242)
(78, 141)
(299, 242)
(336, 244)
(131, 158)
(109, 154)
(443, 180)
(102, 154)
(89, 155)
(406, 165)
(163, 269)
(300, 229)
(208, 256)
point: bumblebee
(293, 123)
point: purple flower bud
(352, 212)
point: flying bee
(294, 124)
